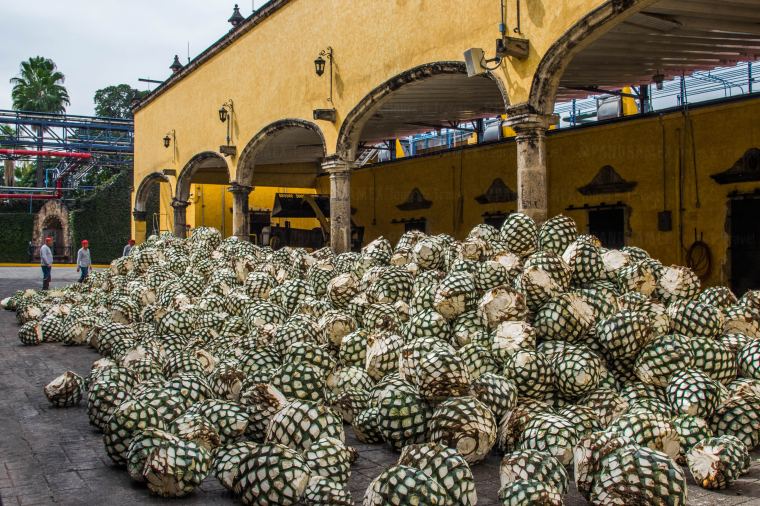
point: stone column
(530, 127)
(180, 217)
(340, 203)
(141, 226)
(241, 227)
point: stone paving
(53, 456)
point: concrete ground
(53, 456)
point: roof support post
(340, 202)
(530, 127)
(241, 227)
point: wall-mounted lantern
(225, 116)
(168, 138)
(319, 67)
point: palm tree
(38, 88)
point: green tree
(6, 136)
(39, 88)
(116, 101)
(25, 174)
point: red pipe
(57, 154)
(29, 196)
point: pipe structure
(54, 154)
(58, 181)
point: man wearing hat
(128, 247)
(83, 260)
(46, 262)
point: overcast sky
(100, 43)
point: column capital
(241, 189)
(524, 118)
(179, 204)
(334, 164)
(140, 215)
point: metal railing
(700, 86)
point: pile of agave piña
(573, 360)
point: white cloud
(97, 44)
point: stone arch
(352, 126)
(206, 159)
(552, 66)
(258, 144)
(141, 195)
(54, 212)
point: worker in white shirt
(128, 247)
(83, 260)
(46, 262)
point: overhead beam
(601, 91)
(720, 25)
(717, 11)
(440, 127)
(644, 44)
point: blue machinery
(110, 141)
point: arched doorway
(433, 96)
(200, 197)
(52, 220)
(146, 212)
(424, 98)
(52, 227)
(277, 175)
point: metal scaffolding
(109, 141)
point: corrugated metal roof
(672, 36)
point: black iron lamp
(225, 116)
(168, 138)
(225, 111)
(319, 66)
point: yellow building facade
(253, 116)
(405, 57)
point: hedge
(103, 219)
(15, 233)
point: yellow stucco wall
(452, 180)
(269, 72)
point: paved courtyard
(53, 456)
